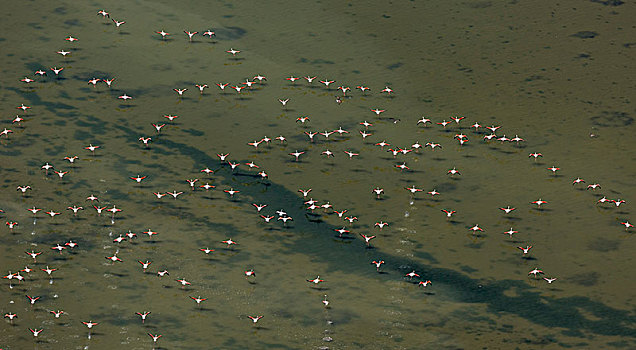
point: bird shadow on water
(320, 288)
(315, 220)
(202, 309)
(527, 303)
(120, 275)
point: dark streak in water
(609, 2)
(585, 34)
(35, 100)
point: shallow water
(558, 75)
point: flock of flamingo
(313, 137)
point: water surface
(557, 75)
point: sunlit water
(557, 75)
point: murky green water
(552, 73)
